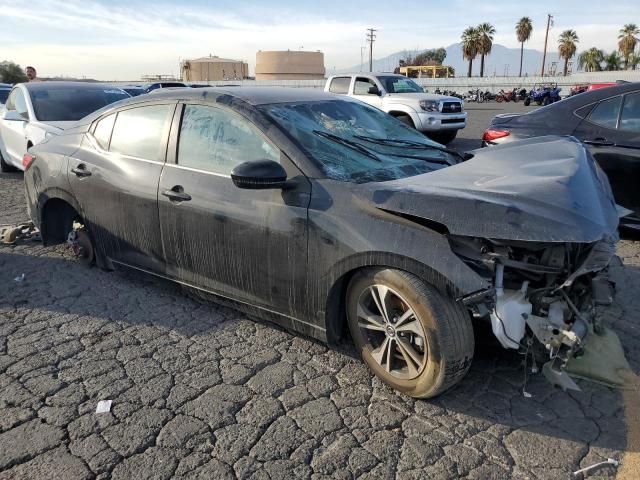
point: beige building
(213, 68)
(289, 65)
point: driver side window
(216, 140)
(362, 86)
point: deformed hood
(542, 189)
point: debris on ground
(10, 234)
(19, 278)
(104, 406)
(580, 474)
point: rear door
(249, 245)
(611, 131)
(13, 132)
(114, 176)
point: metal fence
(463, 84)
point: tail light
(492, 134)
(27, 159)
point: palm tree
(470, 41)
(634, 60)
(627, 41)
(567, 46)
(486, 31)
(612, 61)
(524, 27)
(590, 60)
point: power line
(371, 37)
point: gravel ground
(201, 391)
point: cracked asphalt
(203, 391)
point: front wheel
(406, 119)
(412, 337)
(499, 99)
(527, 101)
(444, 137)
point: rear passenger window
(102, 132)
(215, 140)
(606, 113)
(630, 116)
(340, 85)
(139, 132)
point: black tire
(5, 167)
(527, 102)
(444, 137)
(447, 327)
(406, 119)
(546, 101)
(538, 102)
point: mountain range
(502, 60)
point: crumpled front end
(547, 298)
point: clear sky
(122, 40)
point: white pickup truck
(438, 116)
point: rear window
(606, 112)
(340, 85)
(138, 132)
(71, 104)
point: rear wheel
(413, 338)
(546, 101)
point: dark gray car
(324, 214)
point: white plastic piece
(104, 406)
(508, 318)
(19, 279)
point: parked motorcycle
(475, 96)
(512, 96)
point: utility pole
(371, 37)
(546, 37)
(362, 49)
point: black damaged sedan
(332, 218)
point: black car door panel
(611, 132)
(114, 176)
(249, 245)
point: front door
(612, 134)
(363, 90)
(248, 245)
(14, 137)
(114, 176)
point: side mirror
(374, 91)
(13, 116)
(259, 175)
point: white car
(36, 110)
(438, 116)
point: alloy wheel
(394, 332)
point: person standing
(31, 74)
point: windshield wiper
(410, 143)
(348, 143)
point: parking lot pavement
(202, 391)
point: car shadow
(493, 393)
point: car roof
(39, 86)
(368, 74)
(598, 94)
(250, 95)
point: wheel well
(57, 221)
(395, 113)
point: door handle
(598, 142)
(81, 171)
(177, 194)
